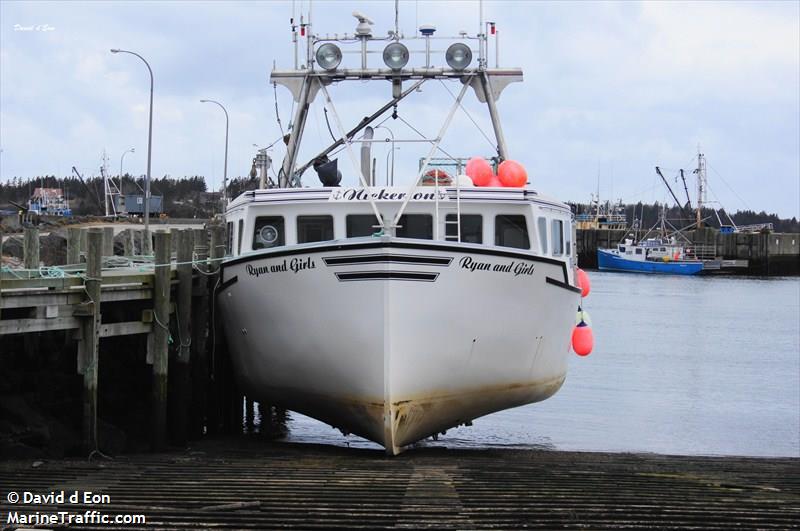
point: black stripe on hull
(563, 285)
(388, 259)
(387, 275)
(279, 252)
(228, 283)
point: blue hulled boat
(649, 256)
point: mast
(701, 185)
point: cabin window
(541, 223)
(471, 228)
(419, 226)
(314, 228)
(240, 236)
(229, 241)
(638, 251)
(663, 249)
(568, 238)
(557, 228)
(621, 249)
(359, 225)
(511, 231)
(269, 232)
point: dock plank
(246, 483)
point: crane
(688, 200)
(658, 171)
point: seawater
(681, 365)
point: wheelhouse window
(568, 239)
(541, 224)
(419, 226)
(638, 251)
(557, 237)
(269, 232)
(511, 231)
(471, 228)
(314, 228)
(360, 225)
(240, 237)
(229, 241)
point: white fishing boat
(390, 312)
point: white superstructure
(396, 313)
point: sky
(611, 90)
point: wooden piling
(249, 414)
(183, 388)
(108, 241)
(1, 274)
(160, 355)
(217, 404)
(147, 243)
(84, 242)
(73, 245)
(127, 242)
(31, 248)
(90, 337)
(199, 355)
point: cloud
(617, 86)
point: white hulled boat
(396, 313)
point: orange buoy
(479, 171)
(582, 281)
(512, 174)
(582, 339)
(494, 181)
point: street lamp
(148, 244)
(131, 150)
(225, 171)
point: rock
(53, 249)
(12, 246)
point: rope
(51, 272)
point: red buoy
(582, 339)
(512, 174)
(582, 281)
(479, 171)
(494, 181)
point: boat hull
(608, 261)
(396, 340)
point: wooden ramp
(250, 484)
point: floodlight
(458, 56)
(329, 56)
(395, 55)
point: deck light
(395, 55)
(329, 56)
(458, 56)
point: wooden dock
(249, 483)
(165, 297)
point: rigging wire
(439, 148)
(277, 114)
(729, 187)
(489, 140)
(328, 123)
